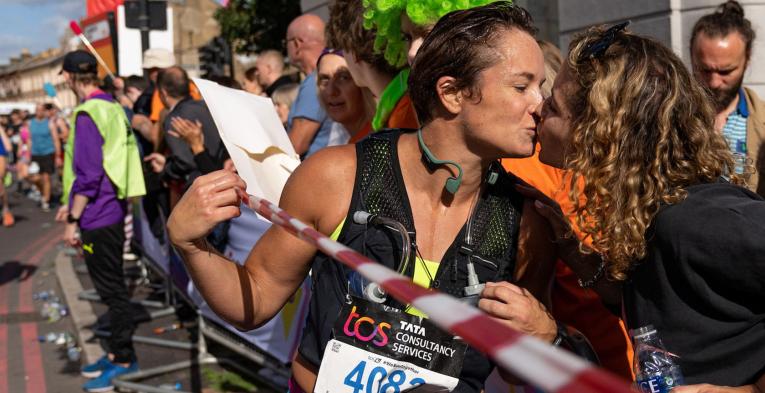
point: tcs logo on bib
(359, 325)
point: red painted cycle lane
(31, 255)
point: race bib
(378, 349)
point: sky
(35, 24)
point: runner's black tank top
(379, 189)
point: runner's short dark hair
(461, 45)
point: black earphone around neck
(452, 183)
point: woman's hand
(517, 308)
(211, 199)
(189, 131)
(550, 210)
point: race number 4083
(363, 379)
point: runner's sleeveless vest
(379, 189)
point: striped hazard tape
(536, 362)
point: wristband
(71, 220)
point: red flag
(98, 7)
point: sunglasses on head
(598, 47)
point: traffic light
(215, 58)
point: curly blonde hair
(642, 131)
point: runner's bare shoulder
(320, 189)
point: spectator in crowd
(721, 48)
(345, 102)
(46, 153)
(13, 130)
(269, 70)
(401, 27)
(58, 122)
(250, 83)
(134, 87)
(145, 106)
(23, 158)
(629, 121)
(283, 99)
(308, 126)
(180, 165)
(5, 148)
(455, 123)
(96, 189)
(128, 90)
(553, 62)
(370, 69)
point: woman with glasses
(671, 235)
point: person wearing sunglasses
(672, 236)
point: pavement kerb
(81, 311)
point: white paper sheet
(254, 136)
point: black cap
(80, 62)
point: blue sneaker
(94, 370)
(104, 382)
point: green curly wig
(385, 17)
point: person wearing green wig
(401, 25)
(369, 68)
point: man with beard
(721, 46)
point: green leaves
(255, 25)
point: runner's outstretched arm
(318, 193)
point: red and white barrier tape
(538, 363)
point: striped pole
(536, 362)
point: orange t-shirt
(572, 304)
(403, 115)
(157, 105)
(362, 133)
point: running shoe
(104, 382)
(94, 370)
(8, 219)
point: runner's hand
(211, 199)
(549, 209)
(516, 307)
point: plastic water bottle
(363, 288)
(655, 368)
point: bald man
(269, 68)
(308, 126)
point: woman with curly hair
(671, 236)
(401, 26)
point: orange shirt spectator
(572, 304)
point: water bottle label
(657, 384)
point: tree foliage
(254, 25)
